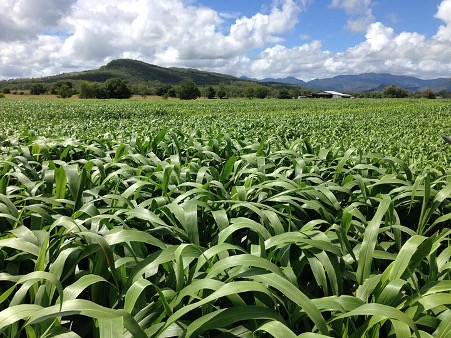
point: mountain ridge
(368, 82)
(135, 71)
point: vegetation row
(236, 220)
(117, 88)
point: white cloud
(24, 20)
(359, 12)
(170, 32)
(444, 11)
(305, 61)
(46, 37)
(352, 6)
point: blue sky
(326, 23)
(271, 38)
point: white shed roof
(332, 92)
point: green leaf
(427, 212)
(21, 245)
(444, 329)
(243, 260)
(297, 296)
(370, 240)
(75, 289)
(191, 226)
(111, 327)
(240, 223)
(435, 300)
(15, 313)
(228, 289)
(382, 311)
(225, 317)
(228, 168)
(221, 219)
(404, 256)
(37, 275)
(120, 151)
(134, 292)
(88, 309)
(145, 215)
(278, 329)
(124, 236)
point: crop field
(225, 218)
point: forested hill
(134, 71)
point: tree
(249, 92)
(163, 89)
(428, 94)
(221, 92)
(394, 91)
(283, 94)
(187, 90)
(116, 88)
(63, 89)
(89, 90)
(210, 92)
(443, 93)
(38, 89)
(140, 89)
(261, 92)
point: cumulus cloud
(406, 53)
(384, 50)
(46, 37)
(24, 20)
(359, 12)
(261, 29)
(444, 11)
(171, 32)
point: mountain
(368, 82)
(134, 71)
(287, 80)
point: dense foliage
(187, 90)
(394, 91)
(225, 218)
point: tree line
(117, 88)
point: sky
(306, 39)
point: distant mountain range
(367, 82)
(134, 71)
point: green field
(225, 218)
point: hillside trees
(394, 91)
(38, 89)
(114, 88)
(63, 89)
(427, 94)
(187, 90)
(221, 91)
(283, 94)
(88, 90)
(210, 92)
(258, 91)
(162, 89)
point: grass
(262, 228)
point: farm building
(330, 94)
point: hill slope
(134, 71)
